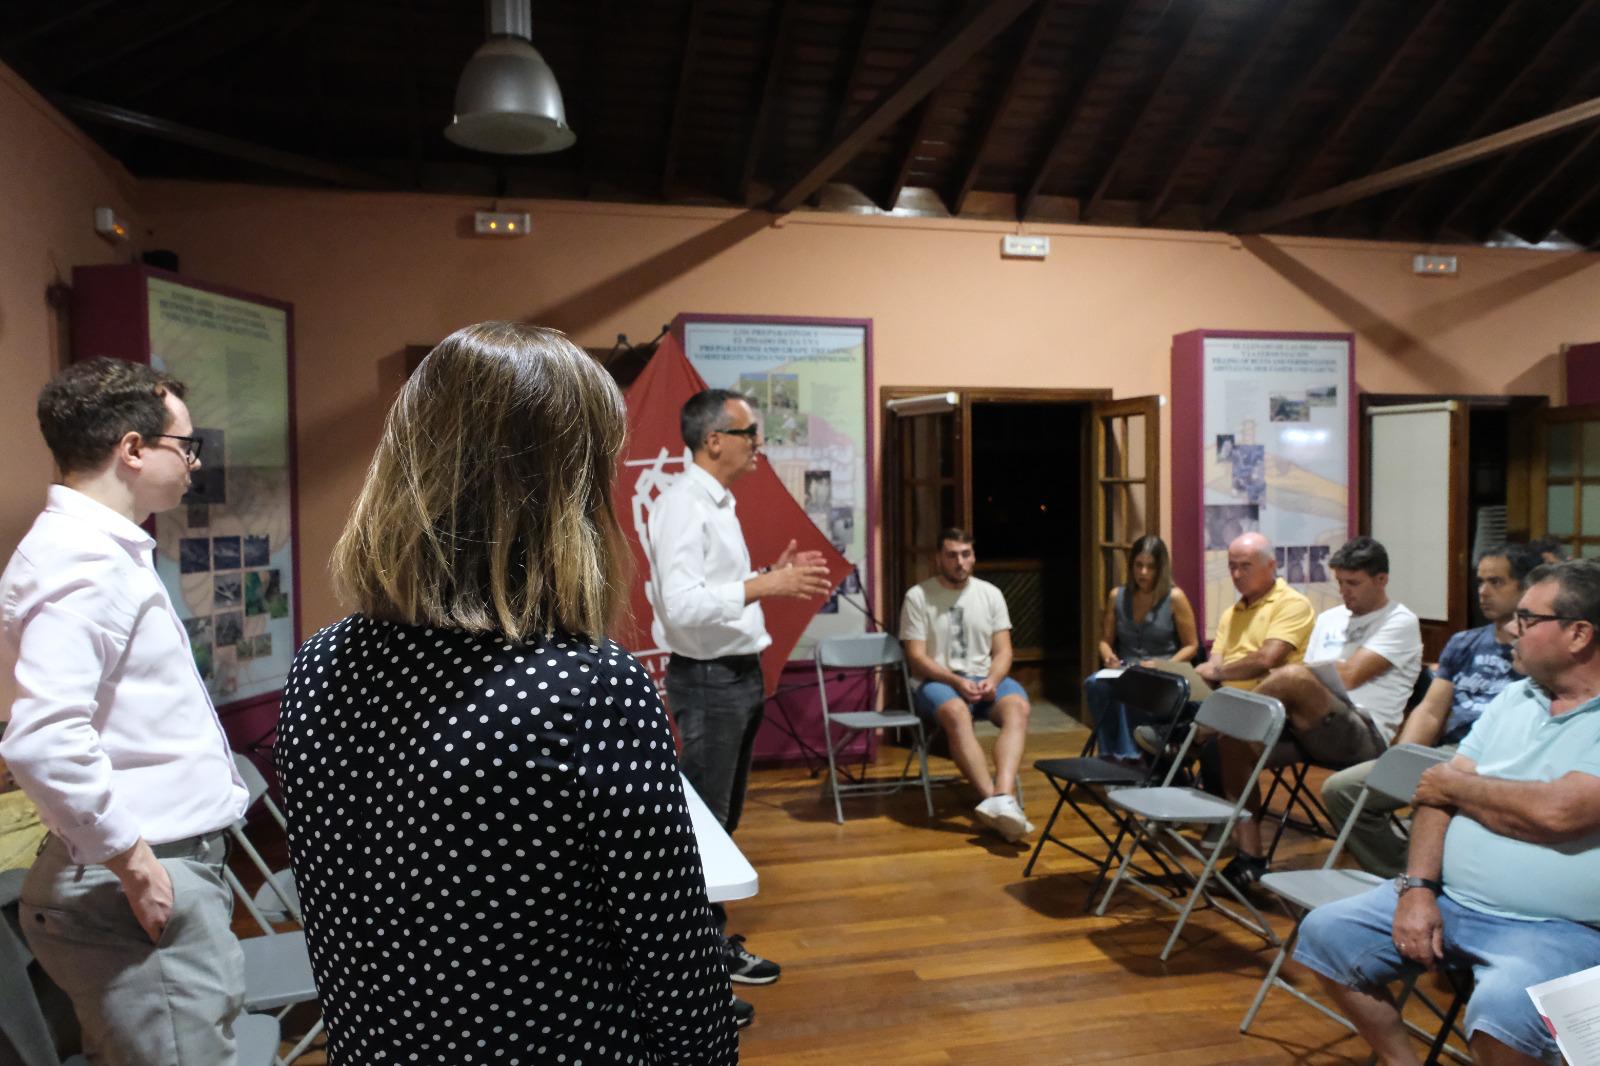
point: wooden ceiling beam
(1444, 77)
(246, 37)
(783, 24)
(1188, 17)
(1450, 159)
(231, 147)
(1421, 17)
(597, 34)
(1502, 217)
(1002, 103)
(1575, 209)
(975, 27)
(1241, 60)
(1111, 30)
(132, 45)
(908, 155)
(1321, 49)
(1491, 178)
(680, 96)
(59, 21)
(1534, 60)
(858, 63)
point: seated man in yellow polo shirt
(1267, 627)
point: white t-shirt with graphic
(1391, 631)
(957, 625)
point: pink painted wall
(52, 177)
(372, 273)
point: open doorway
(1054, 484)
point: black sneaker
(747, 968)
(743, 1013)
(1243, 871)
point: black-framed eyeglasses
(749, 433)
(1528, 619)
(191, 445)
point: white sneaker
(1002, 814)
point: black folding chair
(1150, 696)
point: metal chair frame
(868, 652)
(1153, 696)
(1299, 891)
(1156, 813)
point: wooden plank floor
(918, 942)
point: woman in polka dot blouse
(488, 830)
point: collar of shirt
(715, 491)
(1542, 696)
(75, 504)
(1277, 589)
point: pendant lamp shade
(507, 101)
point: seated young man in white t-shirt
(1346, 700)
(957, 636)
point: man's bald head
(1251, 565)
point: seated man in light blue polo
(957, 636)
(1504, 861)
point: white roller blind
(1410, 494)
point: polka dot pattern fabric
(494, 854)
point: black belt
(729, 660)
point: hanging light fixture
(507, 101)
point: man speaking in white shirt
(706, 598)
(114, 738)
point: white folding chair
(1395, 775)
(876, 653)
(277, 898)
(1159, 813)
(256, 1036)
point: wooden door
(926, 479)
(1125, 498)
(1566, 476)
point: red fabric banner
(653, 458)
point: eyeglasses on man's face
(751, 433)
(1526, 620)
(190, 446)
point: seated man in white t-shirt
(957, 636)
(1346, 700)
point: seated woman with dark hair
(488, 829)
(1147, 620)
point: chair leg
(922, 754)
(1122, 868)
(1267, 981)
(1061, 798)
(833, 773)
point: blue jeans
(1113, 732)
(1352, 942)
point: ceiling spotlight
(507, 101)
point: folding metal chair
(1158, 813)
(1150, 696)
(277, 898)
(277, 965)
(876, 652)
(1300, 891)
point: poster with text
(1276, 458)
(808, 384)
(227, 555)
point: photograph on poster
(199, 516)
(819, 491)
(1250, 472)
(851, 586)
(1279, 556)
(257, 549)
(1224, 447)
(194, 555)
(230, 628)
(227, 591)
(1323, 396)
(1226, 521)
(842, 528)
(1289, 409)
(224, 553)
(785, 392)
(1296, 573)
(1318, 562)
(199, 629)
(203, 662)
(832, 606)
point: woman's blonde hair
(487, 506)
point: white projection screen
(1410, 498)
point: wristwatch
(1406, 881)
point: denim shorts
(1352, 942)
(931, 695)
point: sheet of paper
(1570, 1007)
(1107, 674)
(1327, 672)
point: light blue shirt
(1517, 738)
